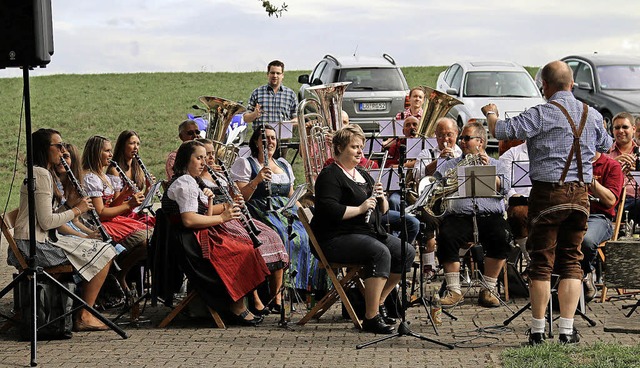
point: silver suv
(378, 89)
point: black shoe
(536, 338)
(275, 308)
(385, 315)
(376, 325)
(262, 312)
(240, 319)
(572, 338)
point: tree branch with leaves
(272, 9)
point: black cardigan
(334, 191)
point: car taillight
(406, 102)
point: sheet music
(295, 197)
(481, 184)
(148, 200)
(373, 144)
(390, 178)
(414, 147)
(284, 129)
(520, 174)
(390, 128)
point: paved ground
(327, 343)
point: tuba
(313, 127)
(219, 114)
(436, 105)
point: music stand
(477, 182)
(288, 212)
(520, 174)
(403, 327)
(390, 128)
(33, 271)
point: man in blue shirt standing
(562, 137)
(273, 102)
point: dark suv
(377, 91)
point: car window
(318, 71)
(457, 79)
(372, 79)
(619, 77)
(573, 64)
(448, 77)
(584, 74)
(499, 84)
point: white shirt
(517, 153)
(426, 156)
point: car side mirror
(452, 91)
(303, 79)
(585, 85)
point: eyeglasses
(192, 132)
(467, 138)
(60, 146)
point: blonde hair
(343, 137)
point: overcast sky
(117, 36)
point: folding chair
(165, 268)
(600, 260)
(349, 279)
(8, 223)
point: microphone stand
(33, 271)
(403, 327)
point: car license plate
(373, 106)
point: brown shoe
(451, 299)
(488, 300)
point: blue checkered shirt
(549, 138)
(276, 107)
(464, 206)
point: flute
(228, 198)
(236, 191)
(265, 153)
(367, 217)
(94, 218)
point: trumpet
(227, 197)
(367, 217)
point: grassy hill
(153, 104)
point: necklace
(353, 176)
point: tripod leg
(633, 308)
(360, 346)
(34, 319)
(516, 314)
(86, 306)
(586, 318)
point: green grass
(153, 104)
(553, 355)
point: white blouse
(241, 171)
(186, 192)
(97, 188)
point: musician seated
(127, 146)
(409, 130)
(271, 248)
(426, 163)
(604, 191)
(267, 188)
(187, 130)
(625, 151)
(212, 250)
(456, 228)
(517, 198)
(344, 194)
(91, 258)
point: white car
(477, 83)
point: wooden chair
(7, 225)
(601, 257)
(350, 278)
(185, 302)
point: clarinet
(265, 153)
(127, 181)
(367, 217)
(95, 219)
(228, 198)
(236, 190)
(146, 172)
(124, 177)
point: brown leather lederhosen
(553, 206)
